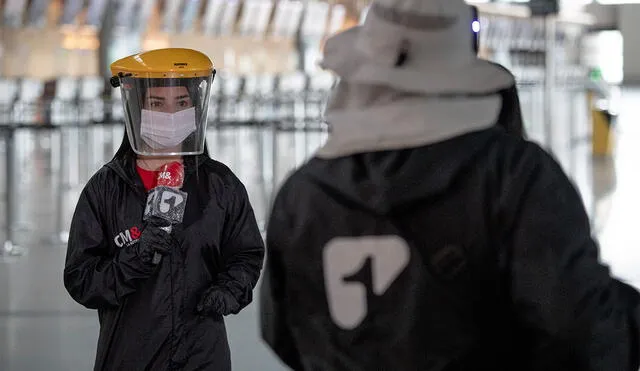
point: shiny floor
(41, 328)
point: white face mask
(166, 130)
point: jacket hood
(384, 181)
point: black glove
(218, 300)
(154, 239)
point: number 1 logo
(344, 257)
(169, 201)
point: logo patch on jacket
(127, 237)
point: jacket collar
(125, 167)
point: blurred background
(576, 63)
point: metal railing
(272, 132)
(85, 134)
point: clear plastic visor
(166, 116)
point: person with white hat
(424, 236)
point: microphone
(166, 201)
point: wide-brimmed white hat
(420, 46)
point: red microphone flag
(171, 175)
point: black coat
(147, 313)
(474, 253)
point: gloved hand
(154, 239)
(217, 300)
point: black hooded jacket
(474, 253)
(147, 313)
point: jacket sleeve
(276, 332)
(93, 275)
(573, 313)
(242, 248)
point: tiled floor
(41, 328)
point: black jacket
(470, 254)
(147, 313)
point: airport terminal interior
(575, 62)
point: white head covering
(409, 76)
(435, 38)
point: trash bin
(603, 131)
(602, 119)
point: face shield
(166, 116)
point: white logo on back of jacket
(127, 237)
(343, 257)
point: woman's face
(167, 99)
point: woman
(167, 313)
